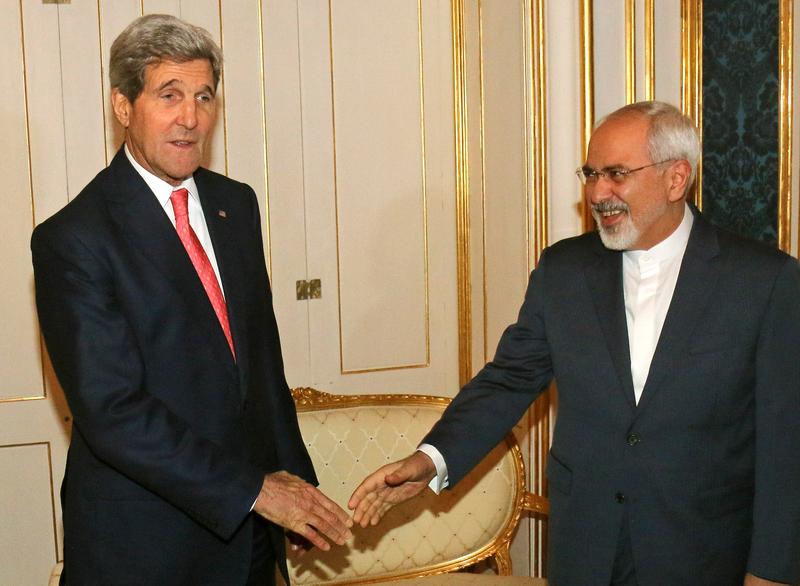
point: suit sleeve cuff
(438, 482)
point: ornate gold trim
(224, 98)
(309, 399)
(537, 449)
(482, 128)
(587, 93)
(630, 51)
(786, 48)
(424, 178)
(692, 78)
(103, 96)
(539, 140)
(263, 104)
(649, 50)
(23, 399)
(462, 194)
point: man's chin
(618, 239)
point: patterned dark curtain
(741, 116)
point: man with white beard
(674, 346)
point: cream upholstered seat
(349, 436)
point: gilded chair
(424, 539)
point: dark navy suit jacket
(707, 464)
(171, 436)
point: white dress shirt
(163, 190)
(649, 278)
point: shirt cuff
(438, 482)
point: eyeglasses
(589, 176)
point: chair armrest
(535, 503)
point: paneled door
(359, 126)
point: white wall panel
(285, 175)
(45, 110)
(83, 97)
(161, 7)
(20, 368)
(115, 15)
(26, 507)
(668, 51)
(380, 189)
(245, 122)
(564, 103)
(505, 152)
(390, 214)
(609, 56)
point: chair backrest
(349, 436)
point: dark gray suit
(706, 465)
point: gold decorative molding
(462, 194)
(539, 129)
(539, 415)
(311, 399)
(103, 97)
(649, 50)
(262, 99)
(630, 51)
(424, 183)
(587, 93)
(222, 88)
(24, 399)
(785, 132)
(482, 137)
(692, 78)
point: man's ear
(678, 176)
(122, 107)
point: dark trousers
(262, 564)
(624, 572)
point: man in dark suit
(186, 462)
(675, 347)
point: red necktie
(180, 203)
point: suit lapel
(697, 281)
(142, 221)
(604, 277)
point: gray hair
(671, 135)
(154, 38)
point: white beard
(621, 236)
(626, 234)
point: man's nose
(188, 114)
(601, 190)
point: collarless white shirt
(163, 190)
(649, 278)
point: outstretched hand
(296, 505)
(390, 485)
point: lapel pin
(222, 213)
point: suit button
(634, 439)
(619, 497)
